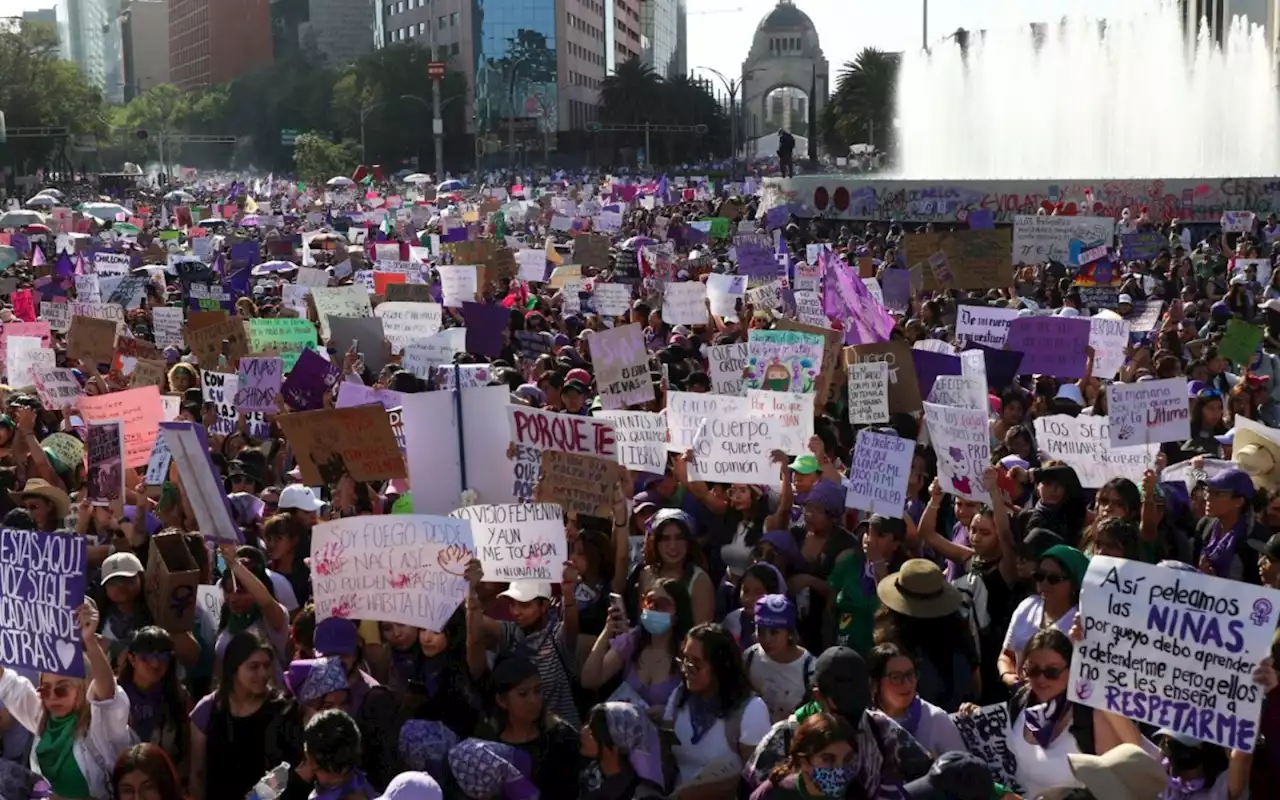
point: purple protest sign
(259, 384)
(201, 483)
(1002, 365)
(485, 325)
(929, 365)
(896, 286)
(307, 382)
(848, 299)
(43, 576)
(755, 254)
(776, 217)
(1051, 345)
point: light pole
(731, 88)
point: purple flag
(304, 387)
(847, 299)
(1002, 365)
(237, 284)
(485, 325)
(63, 267)
(1051, 345)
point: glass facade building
(660, 23)
(515, 67)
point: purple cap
(337, 637)
(1194, 387)
(1235, 481)
(775, 611)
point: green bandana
(57, 759)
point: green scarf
(57, 759)
(237, 623)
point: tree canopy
(861, 109)
(634, 94)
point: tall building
(144, 39)
(1217, 15)
(48, 16)
(86, 36)
(682, 38)
(336, 32)
(215, 41)
(659, 32)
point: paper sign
(685, 303)
(141, 412)
(518, 541)
(1038, 238)
(23, 356)
(879, 473)
(983, 732)
(167, 322)
(989, 326)
(91, 341)
(736, 449)
(904, 388)
(44, 576)
(567, 433)
(1174, 649)
(340, 301)
(407, 569)
(258, 384)
(962, 441)
(201, 485)
(783, 361)
(404, 324)
(1149, 412)
(285, 337)
(640, 439)
(331, 443)
(457, 284)
(1051, 345)
(728, 361)
(868, 393)
(57, 387)
(1084, 444)
(1108, 337)
(792, 411)
(580, 484)
(622, 366)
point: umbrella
(417, 177)
(51, 192)
(451, 185)
(273, 266)
(178, 194)
(211, 221)
(126, 229)
(340, 181)
(37, 228)
(104, 211)
(149, 269)
(638, 242)
(18, 219)
(43, 200)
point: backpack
(1081, 720)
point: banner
(1174, 649)
(517, 542)
(879, 473)
(404, 568)
(44, 583)
(1149, 412)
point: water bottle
(272, 784)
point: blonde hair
(83, 710)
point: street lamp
(731, 88)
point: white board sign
(517, 542)
(1084, 444)
(879, 473)
(1149, 412)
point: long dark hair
(813, 736)
(155, 763)
(681, 621)
(724, 658)
(693, 553)
(241, 647)
(154, 639)
(257, 564)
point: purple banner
(44, 580)
(1051, 345)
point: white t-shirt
(1041, 768)
(783, 687)
(284, 591)
(714, 744)
(1029, 618)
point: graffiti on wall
(1195, 200)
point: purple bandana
(1042, 720)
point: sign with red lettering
(565, 433)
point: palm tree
(631, 94)
(861, 110)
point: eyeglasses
(690, 665)
(899, 678)
(1051, 578)
(60, 691)
(1051, 673)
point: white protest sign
(727, 364)
(518, 541)
(1149, 412)
(112, 264)
(686, 410)
(219, 388)
(962, 440)
(767, 295)
(792, 411)
(532, 265)
(57, 387)
(1108, 336)
(737, 449)
(567, 433)
(983, 733)
(1084, 444)
(23, 354)
(622, 366)
(1261, 269)
(973, 366)
(432, 351)
(58, 315)
(989, 326)
(724, 291)
(879, 473)
(340, 301)
(87, 288)
(168, 324)
(309, 276)
(809, 309)
(402, 568)
(1238, 221)
(1038, 238)
(611, 299)
(685, 303)
(1174, 649)
(158, 463)
(868, 392)
(406, 323)
(958, 391)
(640, 438)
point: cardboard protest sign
(962, 440)
(976, 259)
(330, 443)
(879, 473)
(546, 430)
(44, 583)
(904, 389)
(592, 250)
(520, 541)
(622, 366)
(1149, 412)
(202, 487)
(259, 384)
(141, 412)
(580, 484)
(91, 341)
(1051, 345)
(171, 581)
(868, 393)
(227, 338)
(736, 449)
(727, 364)
(640, 439)
(783, 361)
(409, 293)
(984, 732)
(407, 569)
(104, 443)
(1174, 649)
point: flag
(237, 284)
(37, 256)
(63, 267)
(219, 265)
(250, 206)
(662, 189)
(844, 298)
(80, 264)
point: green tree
(861, 110)
(317, 159)
(630, 95)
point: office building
(334, 32)
(144, 40)
(46, 16)
(87, 36)
(659, 35)
(216, 41)
(1217, 16)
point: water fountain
(1113, 115)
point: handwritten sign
(580, 484)
(104, 444)
(1038, 238)
(407, 568)
(141, 412)
(783, 361)
(259, 384)
(685, 303)
(331, 443)
(1149, 412)
(989, 326)
(457, 284)
(984, 732)
(92, 341)
(868, 393)
(340, 301)
(975, 259)
(727, 364)
(622, 366)
(286, 337)
(404, 324)
(1238, 221)
(1051, 345)
(168, 323)
(962, 441)
(44, 582)
(567, 433)
(640, 439)
(57, 387)
(879, 473)
(736, 449)
(1084, 444)
(1108, 336)
(1174, 649)
(518, 542)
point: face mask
(655, 622)
(831, 781)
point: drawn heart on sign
(454, 559)
(66, 653)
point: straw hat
(1125, 772)
(38, 487)
(1257, 455)
(919, 590)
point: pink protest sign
(142, 412)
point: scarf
(1221, 547)
(1042, 720)
(703, 715)
(238, 623)
(869, 582)
(357, 784)
(912, 719)
(1179, 787)
(56, 755)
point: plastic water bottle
(272, 784)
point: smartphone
(615, 601)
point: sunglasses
(1051, 578)
(1052, 673)
(155, 658)
(60, 691)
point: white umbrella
(104, 211)
(340, 181)
(17, 219)
(179, 195)
(43, 200)
(52, 192)
(271, 267)
(417, 177)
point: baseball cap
(574, 386)
(953, 776)
(526, 591)
(299, 497)
(579, 374)
(336, 636)
(120, 565)
(806, 465)
(1235, 481)
(1270, 548)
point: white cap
(526, 591)
(1068, 311)
(1124, 298)
(120, 565)
(299, 497)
